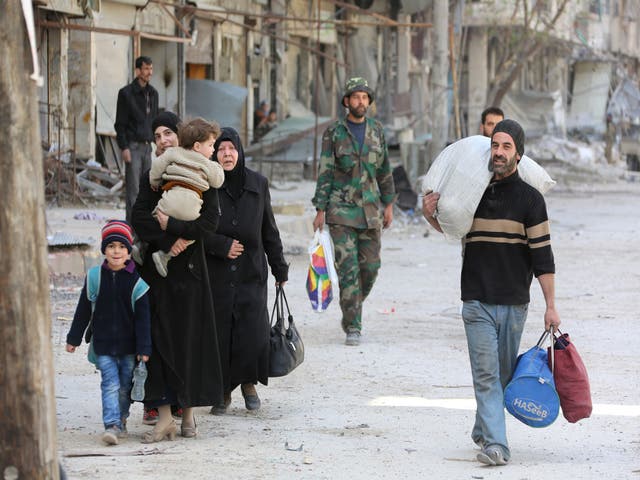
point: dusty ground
(401, 404)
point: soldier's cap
(514, 130)
(358, 84)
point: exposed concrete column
(251, 101)
(304, 75)
(478, 76)
(332, 87)
(216, 51)
(558, 73)
(280, 65)
(404, 53)
(82, 91)
(58, 53)
(385, 91)
(439, 79)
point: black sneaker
(353, 338)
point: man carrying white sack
(508, 243)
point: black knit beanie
(166, 119)
(514, 130)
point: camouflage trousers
(357, 255)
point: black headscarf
(166, 119)
(233, 179)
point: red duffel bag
(572, 381)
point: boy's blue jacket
(118, 328)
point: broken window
(535, 76)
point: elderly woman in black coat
(246, 239)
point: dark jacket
(240, 286)
(250, 220)
(185, 358)
(509, 242)
(136, 109)
(117, 328)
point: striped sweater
(508, 243)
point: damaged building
(552, 65)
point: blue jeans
(116, 384)
(493, 337)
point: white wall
(477, 77)
(590, 96)
(113, 63)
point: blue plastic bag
(531, 394)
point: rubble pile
(68, 178)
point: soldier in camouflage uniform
(354, 180)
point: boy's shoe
(353, 338)
(161, 260)
(492, 456)
(150, 416)
(110, 435)
(176, 411)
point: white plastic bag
(325, 240)
(460, 174)
(322, 278)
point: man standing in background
(489, 119)
(354, 181)
(137, 107)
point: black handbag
(287, 349)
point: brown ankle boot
(251, 399)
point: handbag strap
(548, 334)
(542, 339)
(284, 297)
(552, 349)
(277, 310)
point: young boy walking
(187, 171)
(114, 304)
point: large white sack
(536, 176)
(460, 174)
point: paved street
(399, 406)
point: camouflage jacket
(352, 183)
